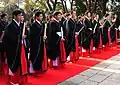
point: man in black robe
(105, 30)
(12, 41)
(36, 44)
(69, 33)
(3, 24)
(54, 39)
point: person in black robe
(115, 21)
(12, 41)
(70, 27)
(48, 32)
(36, 44)
(26, 40)
(79, 25)
(54, 39)
(3, 24)
(106, 26)
(96, 31)
(88, 34)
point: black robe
(105, 32)
(79, 25)
(69, 34)
(12, 42)
(88, 34)
(113, 30)
(96, 35)
(53, 40)
(3, 25)
(36, 45)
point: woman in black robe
(96, 31)
(80, 25)
(87, 36)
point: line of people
(51, 42)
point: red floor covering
(55, 76)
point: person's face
(74, 15)
(89, 14)
(18, 17)
(22, 18)
(5, 19)
(40, 17)
(97, 17)
(58, 17)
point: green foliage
(39, 4)
(81, 8)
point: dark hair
(50, 16)
(107, 15)
(3, 15)
(16, 12)
(68, 14)
(79, 17)
(56, 13)
(72, 12)
(63, 12)
(37, 14)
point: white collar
(56, 20)
(18, 23)
(38, 22)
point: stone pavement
(104, 73)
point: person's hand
(90, 29)
(24, 36)
(0, 41)
(44, 37)
(101, 26)
(116, 29)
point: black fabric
(96, 35)
(105, 32)
(69, 34)
(12, 42)
(88, 34)
(36, 45)
(53, 40)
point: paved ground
(105, 73)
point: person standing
(36, 44)
(3, 24)
(12, 40)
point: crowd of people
(51, 42)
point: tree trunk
(49, 6)
(54, 6)
(94, 7)
(71, 3)
(63, 5)
(66, 6)
(87, 5)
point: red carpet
(53, 77)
